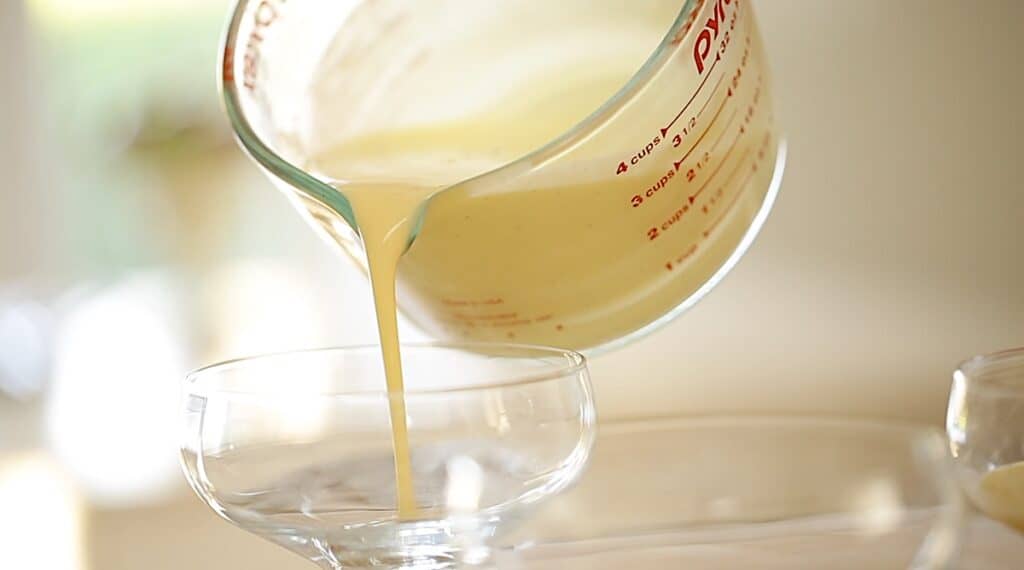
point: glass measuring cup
(601, 232)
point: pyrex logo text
(702, 48)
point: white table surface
(709, 494)
(988, 546)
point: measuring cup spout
(256, 91)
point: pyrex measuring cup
(610, 229)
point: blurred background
(137, 242)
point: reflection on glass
(985, 424)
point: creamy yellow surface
(1001, 494)
(576, 251)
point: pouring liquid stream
(386, 213)
(432, 158)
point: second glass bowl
(985, 424)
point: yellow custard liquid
(1001, 494)
(575, 252)
(386, 214)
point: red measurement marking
(665, 130)
(685, 28)
(764, 144)
(636, 158)
(679, 260)
(712, 96)
(721, 135)
(720, 164)
(473, 302)
(749, 176)
(267, 12)
(689, 252)
(710, 204)
(229, 65)
(726, 211)
(705, 133)
(737, 169)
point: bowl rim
(572, 365)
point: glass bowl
(297, 448)
(985, 425)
